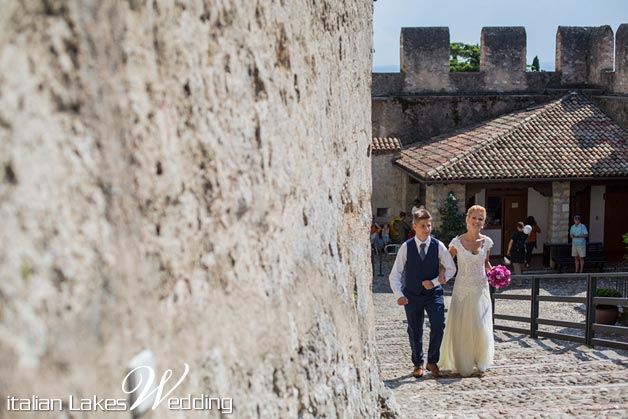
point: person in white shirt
(578, 233)
(417, 206)
(425, 261)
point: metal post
(534, 310)
(590, 309)
(492, 293)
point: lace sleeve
(489, 243)
(454, 242)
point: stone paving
(530, 378)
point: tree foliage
(464, 57)
(535, 64)
(452, 221)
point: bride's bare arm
(441, 275)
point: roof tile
(385, 145)
(569, 137)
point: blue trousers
(432, 302)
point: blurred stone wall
(190, 178)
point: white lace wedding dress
(468, 341)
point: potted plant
(606, 314)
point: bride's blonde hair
(475, 208)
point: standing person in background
(578, 233)
(517, 251)
(397, 230)
(405, 230)
(417, 206)
(531, 241)
(385, 235)
(376, 241)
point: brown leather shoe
(418, 372)
(433, 368)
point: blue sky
(465, 19)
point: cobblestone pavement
(530, 378)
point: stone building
(547, 144)
(386, 178)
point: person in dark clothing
(517, 251)
(531, 241)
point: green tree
(464, 57)
(535, 64)
(452, 220)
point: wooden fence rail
(590, 301)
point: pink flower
(498, 276)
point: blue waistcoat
(418, 270)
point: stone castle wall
(584, 59)
(425, 99)
(187, 178)
(421, 117)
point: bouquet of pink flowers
(499, 276)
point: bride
(468, 341)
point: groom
(421, 257)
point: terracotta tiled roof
(385, 145)
(566, 138)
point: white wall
(496, 236)
(596, 219)
(538, 207)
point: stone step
(539, 369)
(562, 412)
(512, 352)
(541, 398)
(591, 367)
(522, 381)
(391, 347)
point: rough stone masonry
(190, 178)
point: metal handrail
(590, 301)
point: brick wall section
(388, 184)
(559, 213)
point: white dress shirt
(444, 258)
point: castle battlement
(584, 59)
